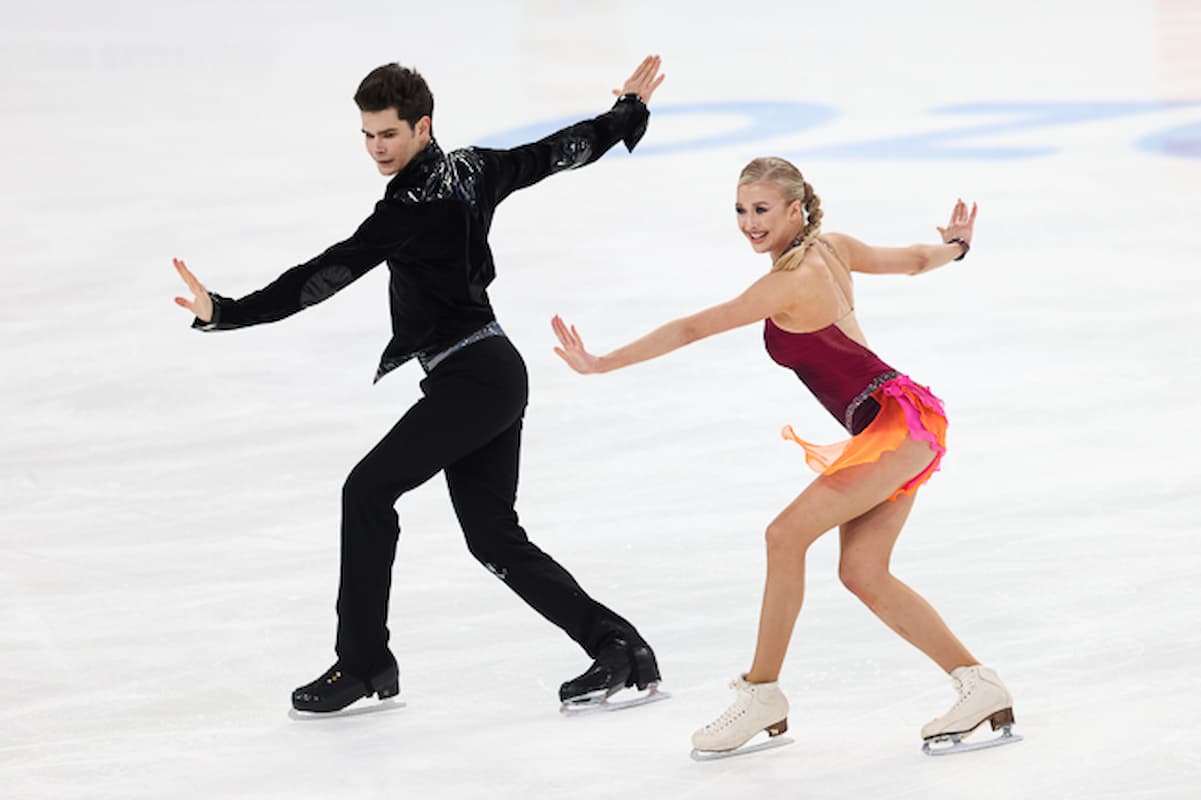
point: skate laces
(963, 690)
(734, 712)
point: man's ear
(423, 125)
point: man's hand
(645, 80)
(201, 304)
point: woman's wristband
(966, 247)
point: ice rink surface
(168, 522)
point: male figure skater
(431, 227)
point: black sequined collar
(417, 170)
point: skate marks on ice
(357, 709)
(773, 742)
(600, 701)
(952, 743)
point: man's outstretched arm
(578, 144)
(301, 286)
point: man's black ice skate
(618, 665)
(337, 689)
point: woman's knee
(785, 538)
(863, 577)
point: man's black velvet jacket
(432, 229)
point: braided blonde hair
(785, 175)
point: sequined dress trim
(861, 398)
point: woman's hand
(201, 304)
(573, 351)
(644, 81)
(961, 224)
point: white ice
(168, 517)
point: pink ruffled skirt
(907, 411)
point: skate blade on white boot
(946, 744)
(600, 700)
(774, 741)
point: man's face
(392, 142)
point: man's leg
(483, 488)
(455, 417)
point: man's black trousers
(467, 425)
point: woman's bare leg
(827, 502)
(866, 549)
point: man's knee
(374, 484)
(359, 487)
(496, 542)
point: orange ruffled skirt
(907, 410)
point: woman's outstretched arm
(769, 295)
(915, 259)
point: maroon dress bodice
(841, 373)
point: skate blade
(938, 745)
(355, 709)
(600, 701)
(745, 750)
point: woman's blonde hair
(794, 187)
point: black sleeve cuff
(211, 325)
(632, 104)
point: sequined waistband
(861, 398)
(430, 360)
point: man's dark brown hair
(394, 86)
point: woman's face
(766, 218)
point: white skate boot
(982, 698)
(758, 707)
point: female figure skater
(867, 483)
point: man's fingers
(188, 304)
(188, 278)
(651, 78)
(642, 81)
(634, 75)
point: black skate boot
(646, 668)
(337, 689)
(618, 665)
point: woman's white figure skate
(982, 698)
(758, 707)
